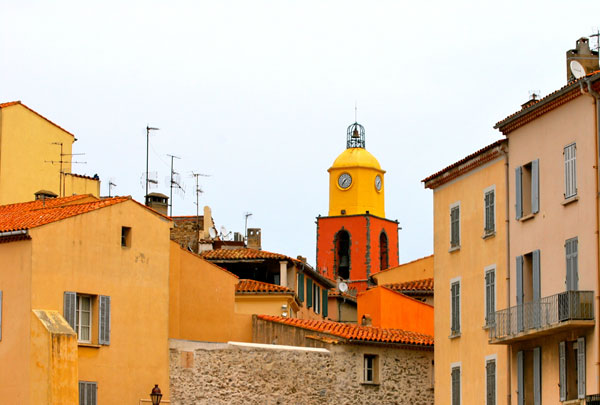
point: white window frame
(78, 311)
(570, 193)
(374, 372)
(456, 246)
(457, 333)
(493, 357)
(491, 188)
(316, 291)
(491, 267)
(452, 367)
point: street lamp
(155, 395)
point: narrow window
(301, 287)
(490, 213)
(455, 226)
(490, 297)
(370, 365)
(383, 251)
(570, 170)
(527, 189)
(455, 385)
(572, 280)
(316, 293)
(88, 393)
(490, 377)
(455, 308)
(83, 318)
(342, 246)
(126, 236)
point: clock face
(344, 180)
(378, 182)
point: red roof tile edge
(253, 286)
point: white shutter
(104, 321)
(70, 308)
(570, 171)
(581, 367)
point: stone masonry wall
(185, 231)
(217, 373)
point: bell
(355, 133)
(344, 262)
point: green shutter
(309, 295)
(324, 306)
(301, 287)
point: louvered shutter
(490, 371)
(537, 376)
(518, 192)
(581, 367)
(456, 386)
(70, 308)
(455, 307)
(489, 212)
(562, 370)
(490, 299)
(454, 225)
(91, 394)
(88, 393)
(570, 171)
(325, 303)
(301, 287)
(309, 295)
(519, 280)
(535, 186)
(82, 390)
(536, 288)
(104, 321)
(571, 256)
(520, 379)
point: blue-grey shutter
(0, 314)
(104, 321)
(520, 379)
(301, 287)
(570, 171)
(571, 256)
(581, 367)
(490, 372)
(535, 186)
(325, 310)
(537, 376)
(518, 192)
(70, 308)
(455, 307)
(87, 393)
(455, 375)
(562, 370)
(519, 293)
(536, 289)
(309, 295)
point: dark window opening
(383, 251)
(343, 254)
(126, 236)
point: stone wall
(185, 231)
(217, 373)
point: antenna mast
(198, 191)
(110, 186)
(61, 173)
(173, 182)
(247, 214)
(148, 129)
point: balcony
(563, 311)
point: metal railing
(543, 313)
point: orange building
(355, 240)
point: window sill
(488, 235)
(454, 249)
(454, 335)
(487, 327)
(526, 217)
(90, 345)
(570, 200)
(374, 384)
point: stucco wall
(415, 270)
(203, 373)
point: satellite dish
(223, 230)
(577, 70)
(343, 287)
(212, 233)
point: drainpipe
(507, 236)
(596, 96)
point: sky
(258, 94)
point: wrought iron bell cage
(355, 136)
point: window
(572, 279)
(529, 376)
(325, 304)
(88, 393)
(528, 290)
(371, 369)
(571, 357)
(316, 298)
(300, 277)
(490, 296)
(455, 308)
(126, 236)
(527, 183)
(455, 376)
(455, 226)
(342, 247)
(490, 381)
(383, 251)
(570, 170)
(489, 198)
(78, 311)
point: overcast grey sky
(258, 94)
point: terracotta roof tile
(11, 103)
(336, 293)
(253, 286)
(37, 213)
(356, 332)
(414, 286)
(241, 254)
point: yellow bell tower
(356, 183)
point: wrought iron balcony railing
(542, 314)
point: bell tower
(355, 240)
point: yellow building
(418, 269)
(35, 156)
(469, 262)
(85, 301)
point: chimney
(581, 60)
(532, 100)
(254, 238)
(158, 202)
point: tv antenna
(174, 182)
(111, 184)
(198, 190)
(246, 215)
(597, 35)
(62, 173)
(148, 129)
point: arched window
(342, 248)
(383, 251)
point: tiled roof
(336, 293)
(37, 213)
(83, 176)
(241, 254)
(253, 286)
(11, 103)
(354, 332)
(415, 286)
(475, 158)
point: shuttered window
(455, 227)
(572, 280)
(581, 367)
(490, 203)
(490, 297)
(309, 291)
(527, 189)
(520, 379)
(570, 171)
(519, 271)
(537, 376)
(490, 378)
(316, 296)
(301, 287)
(455, 375)
(104, 321)
(69, 308)
(455, 307)
(83, 318)
(325, 303)
(535, 186)
(88, 393)
(562, 370)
